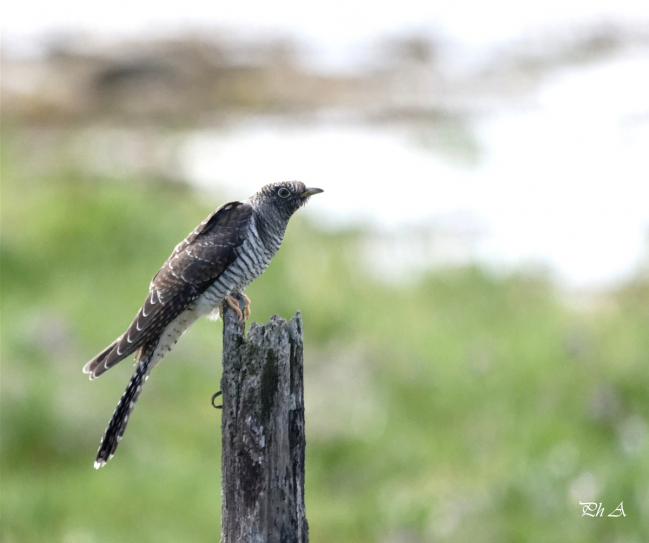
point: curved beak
(310, 191)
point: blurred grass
(462, 407)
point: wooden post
(262, 464)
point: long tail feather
(118, 422)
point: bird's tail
(111, 355)
(118, 422)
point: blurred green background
(460, 403)
(463, 407)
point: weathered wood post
(262, 464)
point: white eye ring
(283, 192)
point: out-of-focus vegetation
(461, 407)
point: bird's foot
(214, 397)
(234, 304)
(247, 308)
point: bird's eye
(283, 192)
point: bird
(216, 262)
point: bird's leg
(234, 304)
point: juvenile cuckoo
(221, 257)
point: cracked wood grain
(262, 463)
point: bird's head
(283, 198)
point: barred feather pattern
(119, 420)
(222, 256)
(192, 267)
(254, 256)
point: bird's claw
(234, 304)
(214, 397)
(247, 308)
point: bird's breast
(253, 257)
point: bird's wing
(193, 266)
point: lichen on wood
(262, 463)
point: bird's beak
(310, 191)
